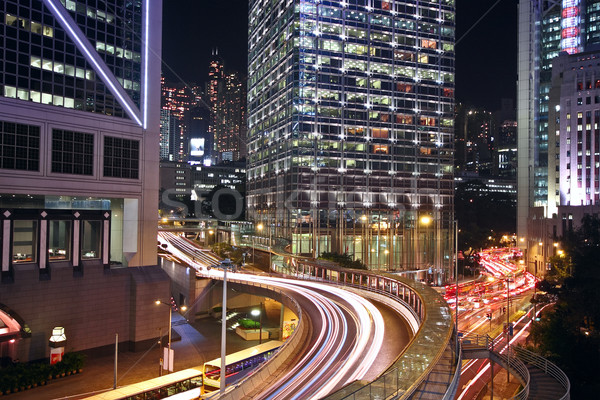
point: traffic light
(503, 310)
(489, 316)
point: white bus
(237, 365)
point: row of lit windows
(359, 33)
(88, 11)
(374, 18)
(363, 49)
(334, 81)
(118, 51)
(30, 26)
(352, 166)
(39, 97)
(25, 240)
(61, 68)
(393, 8)
(404, 142)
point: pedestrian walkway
(200, 342)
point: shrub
(246, 323)
(24, 375)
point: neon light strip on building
(83, 44)
(146, 61)
(570, 38)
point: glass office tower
(350, 128)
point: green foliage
(225, 250)
(343, 260)
(247, 323)
(23, 375)
(570, 335)
(217, 309)
(561, 269)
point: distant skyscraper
(545, 29)
(175, 121)
(475, 142)
(230, 118)
(350, 138)
(506, 153)
(215, 75)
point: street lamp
(456, 278)
(365, 242)
(224, 264)
(168, 360)
(260, 228)
(426, 220)
(508, 281)
(387, 258)
(258, 313)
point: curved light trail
(347, 330)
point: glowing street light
(258, 313)
(425, 219)
(168, 359)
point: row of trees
(569, 334)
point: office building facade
(350, 128)
(546, 28)
(79, 122)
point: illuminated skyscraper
(545, 29)
(574, 167)
(230, 118)
(350, 131)
(215, 75)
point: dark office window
(72, 152)
(121, 158)
(19, 146)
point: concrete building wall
(91, 308)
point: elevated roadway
(343, 337)
(347, 332)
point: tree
(344, 260)
(570, 335)
(225, 250)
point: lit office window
(91, 243)
(59, 240)
(24, 241)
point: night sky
(485, 57)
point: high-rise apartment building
(79, 129)
(545, 29)
(350, 130)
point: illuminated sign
(570, 40)
(197, 147)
